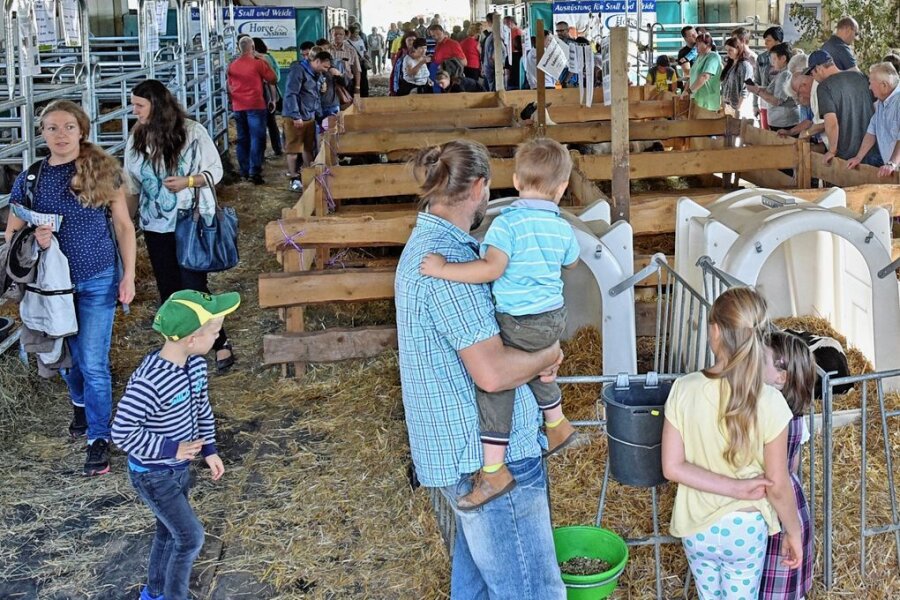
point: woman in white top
(415, 70)
(165, 159)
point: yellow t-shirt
(662, 78)
(693, 409)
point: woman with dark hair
(406, 43)
(165, 158)
(273, 98)
(738, 69)
(705, 81)
(85, 185)
(456, 74)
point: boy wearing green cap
(163, 421)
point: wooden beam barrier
(278, 290)
(370, 142)
(427, 103)
(390, 225)
(652, 109)
(418, 120)
(331, 345)
(352, 231)
(836, 173)
(585, 191)
(378, 181)
(696, 162)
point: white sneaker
(296, 185)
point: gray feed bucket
(634, 422)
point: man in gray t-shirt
(838, 45)
(846, 104)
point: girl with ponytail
(85, 185)
(725, 443)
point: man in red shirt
(246, 75)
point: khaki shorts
(298, 139)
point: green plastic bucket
(590, 542)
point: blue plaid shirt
(435, 320)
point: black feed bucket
(634, 422)
(6, 327)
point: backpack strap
(32, 177)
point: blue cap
(817, 58)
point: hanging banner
(71, 22)
(616, 13)
(276, 26)
(582, 17)
(29, 58)
(45, 21)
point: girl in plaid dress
(790, 367)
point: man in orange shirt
(246, 76)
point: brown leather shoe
(487, 487)
(562, 436)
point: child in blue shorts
(163, 421)
(523, 253)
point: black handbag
(203, 247)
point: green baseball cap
(188, 310)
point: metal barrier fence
(715, 282)
(865, 529)
(681, 316)
(99, 73)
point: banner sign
(276, 26)
(593, 20)
(617, 14)
(583, 18)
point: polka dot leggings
(727, 559)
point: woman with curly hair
(165, 159)
(85, 185)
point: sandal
(224, 365)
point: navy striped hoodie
(164, 404)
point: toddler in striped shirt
(163, 421)
(522, 256)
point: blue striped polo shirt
(164, 404)
(538, 242)
(435, 320)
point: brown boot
(562, 436)
(487, 487)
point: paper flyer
(36, 218)
(162, 17)
(555, 59)
(71, 21)
(45, 20)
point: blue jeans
(251, 140)
(89, 380)
(179, 534)
(504, 550)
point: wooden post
(621, 184)
(496, 27)
(803, 173)
(541, 80)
